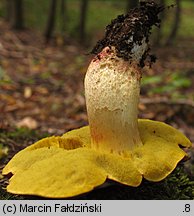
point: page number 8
(187, 208)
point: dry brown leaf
(27, 92)
(28, 122)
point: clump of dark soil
(127, 31)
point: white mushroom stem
(112, 88)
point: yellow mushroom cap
(117, 145)
(59, 167)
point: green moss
(20, 135)
(7, 196)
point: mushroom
(115, 145)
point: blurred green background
(98, 14)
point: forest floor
(41, 89)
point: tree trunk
(176, 23)
(63, 13)
(51, 20)
(82, 26)
(8, 10)
(18, 19)
(131, 4)
(158, 36)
